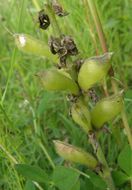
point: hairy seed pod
(58, 79)
(81, 115)
(93, 70)
(74, 154)
(28, 44)
(106, 109)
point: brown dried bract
(70, 45)
(64, 47)
(58, 9)
(43, 20)
(92, 94)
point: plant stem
(102, 39)
(81, 173)
(36, 5)
(91, 28)
(11, 158)
(53, 19)
(47, 155)
(127, 128)
(98, 25)
(106, 174)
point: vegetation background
(28, 111)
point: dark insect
(58, 9)
(44, 20)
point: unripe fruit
(74, 154)
(28, 44)
(93, 70)
(55, 79)
(81, 116)
(106, 109)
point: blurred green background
(27, 111)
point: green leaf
(88, 185)
(32, 173)
(29, 185)
(96, 180)
(65, 178)
(125, 160)
(119, 177)
(76, 186)
(85, 184)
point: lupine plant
(80, 78)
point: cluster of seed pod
(90, 72)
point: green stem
(81, 173)
(98, 25)
(53, 19)
(102, 39)
(11, 158)
(47, 155)
(123, 116)
(36, 5)
(91, 28)
(106, 174)
(127, 128)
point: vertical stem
(127, 128)
(53, 19)
(36, 5)
(47, 155)
(91, 28)
(101, 35)
(106, 174)
(98, 25)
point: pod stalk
(106, 174)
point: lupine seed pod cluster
(89, 74)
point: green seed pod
(81, 116)
(55, 79)
(74, 154)
(28, 44)
(106, 109)
(93, 70)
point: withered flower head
(70, 45)
(64, 46)
(58, 9)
